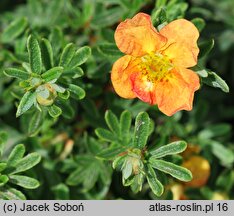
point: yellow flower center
(155, 66)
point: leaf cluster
(12, 171)
(129, 153)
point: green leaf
(105, 135)
(3, 139)
(57, 88)
(86, 174)
(2, 166)
(35, 123)
(109, 50)
(24, 181)
(125, 125)
(159, 17)
(47, 54)
(215, 81)
(127, 169)
(225, 180)
(57, 39)
(199, 23)
(16, 73)
(68, 110)
(108, 35)
(54, 111)
(65, 95)
(54, 10)
(27, 163)
(61, 192)
(76, 92)
(34, 51)
(205, 47)
(35, 7)
(16, 155)
(27, 67)
(107, 17)
(67, 54)
(80, 57)
(3, 180)
(224, 154)
(112, 122)
(176, 9)
(160, 3)
(141, 133)
(11, 194)
(13, 30)
(211, 131)
(74, 72)
(155, 185)
(111, 152)
(170, 149)
(202, 73)
(118, 162)
(91, 175)
(136, 185)
(176, 171)
(151, 127)
(26, 103)
(75, 177)
(52, 74)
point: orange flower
(155, 67)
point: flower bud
(46, 94)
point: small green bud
(46, 94)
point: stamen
(155, 66)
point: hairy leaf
(67, 54)
(76, 92)
(111, 152)
(109, 50)
(14, 29)
(24, 181)
(153, 182)
(3, 165)
(35, 123)
(112, 122)
(55, 111)
(26, 103)
(105, 135)
(170, 149)
(16, 154)
(141, 133)
(61, 192)
(47, 54)
(17, 73)
(27, 163)
(8, 193)
(80, 57)
(52, 74)
(34, 51)
(125, 125)
(216, 81)
(176, 171)
(199, 23)
(205, 47)
(3, 180)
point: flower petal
(143, 88)
(120, 75)
(137, 36)
(181, 46)
(176, 91)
